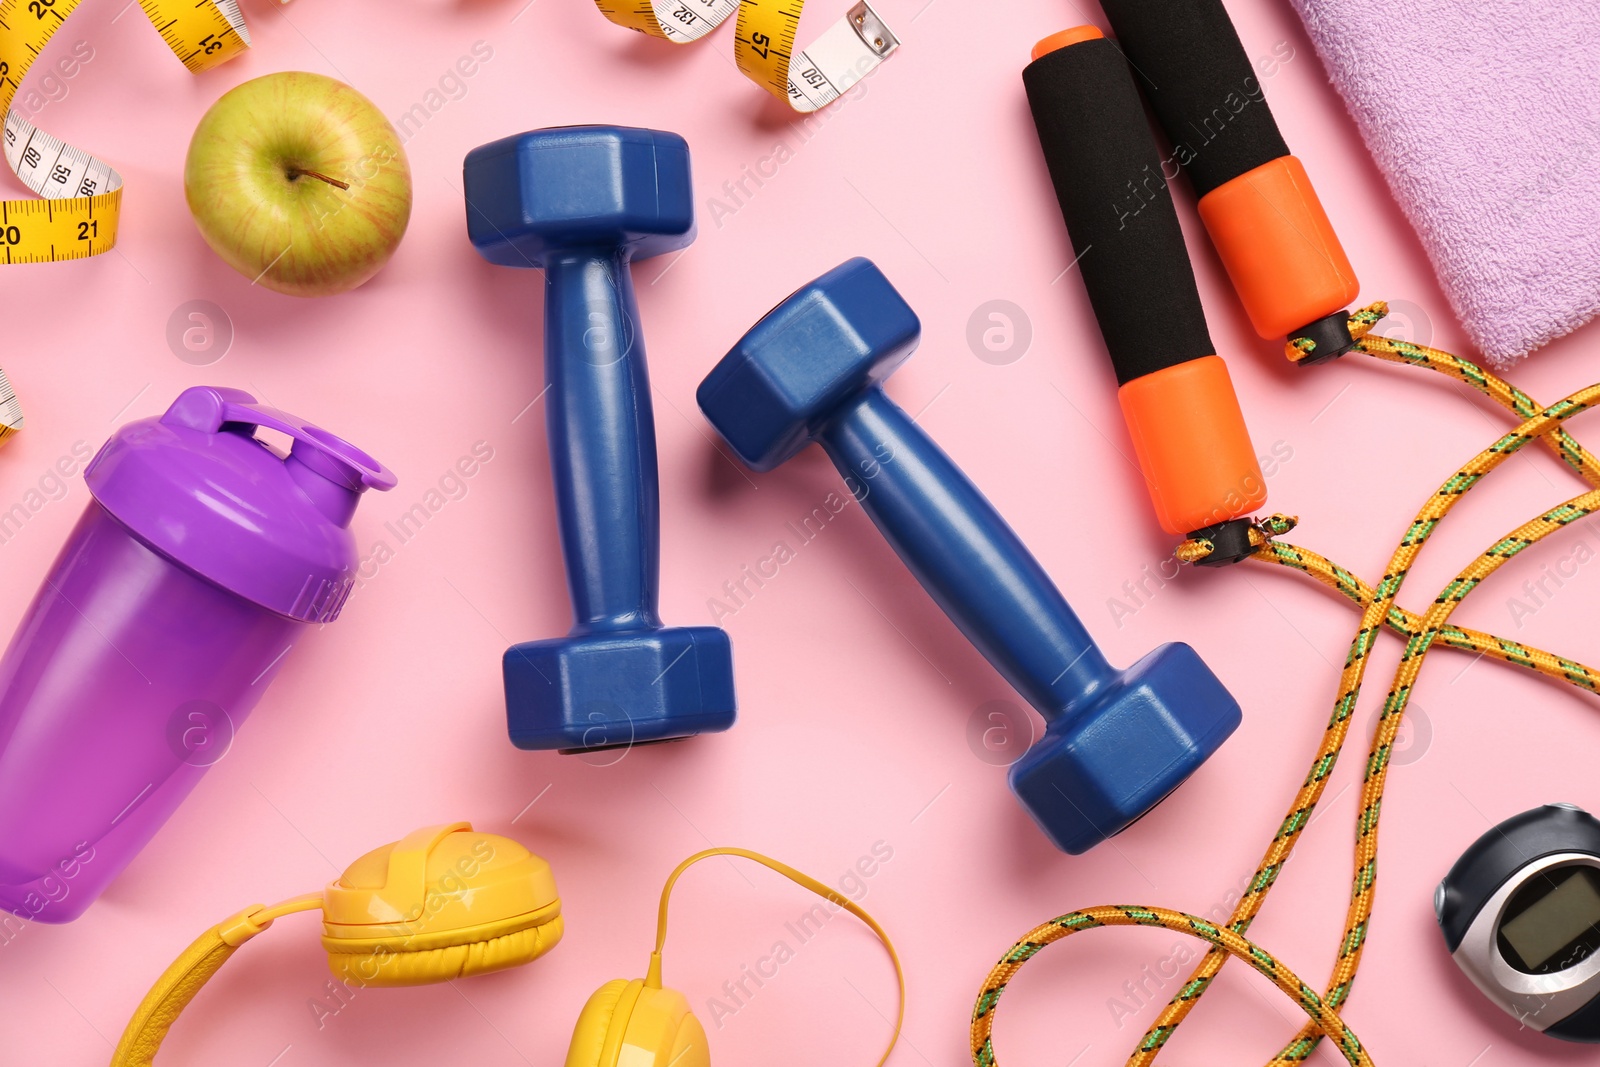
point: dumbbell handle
(602, 442)
(965, 555)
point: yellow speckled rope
(1546, 424)
(1377, 768)
(1495, 388)
(1406, 624)
(1325, 1019)
(1399, 620)
(1333, 739)
(1379, 609)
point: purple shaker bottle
(201, 560)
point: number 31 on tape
(809, 79)
(82, 195)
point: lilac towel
(1485, 118)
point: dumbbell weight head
(1095, 773)
(841, 334)
(556, 191)
(591, 692)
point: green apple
(299, 183)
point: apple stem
(296, 172)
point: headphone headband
(404, 893)
(442, 902)
(188, 973)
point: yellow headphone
(443, 902)
(640, 1023)
(447, 902)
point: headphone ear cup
(664, 1029)
(398, 962)
(689, 1046)
(444, 902)
(594, 1024)
(639, 1026)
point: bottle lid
(198, 487)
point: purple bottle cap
(196, 486)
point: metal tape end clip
(873, 31)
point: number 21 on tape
(82, 194)
(809, 79)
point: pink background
(856, 695)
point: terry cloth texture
(1485, 118)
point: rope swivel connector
(1232, 541)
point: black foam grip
(1107, 174)
(1194, 71)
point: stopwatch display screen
(1552, 922)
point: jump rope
(1294, 279)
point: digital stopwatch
(1520, 911)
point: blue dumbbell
(581, 203)
(1117, 742)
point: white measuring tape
(10, 410)
(809, 79)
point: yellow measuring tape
(82, 195)
(764, 39)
